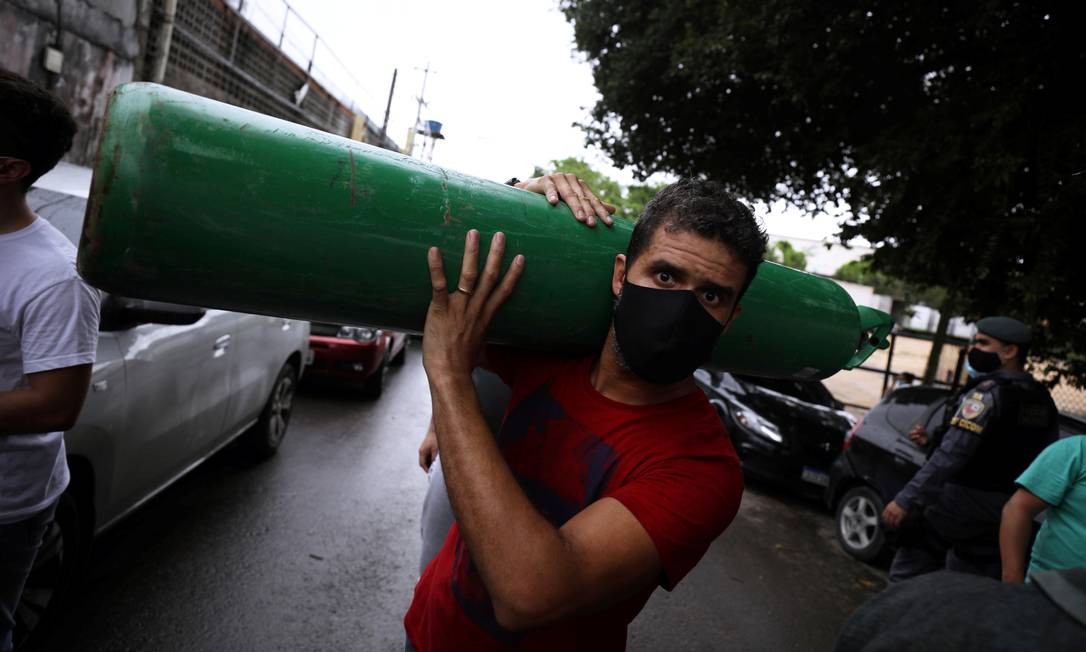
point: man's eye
(712, 297)
(663, 277)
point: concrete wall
(101, 40)
(217, 54)
(925, 318)
(110, 42)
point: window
(911, 406)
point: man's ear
(735, 315)
(13, 170)
(618, 275)
(1008, 352)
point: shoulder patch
(972, 408)
(974, 412)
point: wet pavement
(316, 549)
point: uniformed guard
(1003, 419)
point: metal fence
(1070, 400)
(904, 363)
(281, 23)
(219, 50)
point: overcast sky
(508, 85)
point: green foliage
(629, 202)
(784, 253)
(953, 131)
(863, 272)
(860, 272)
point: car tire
(401, 357)
(264, 438)
(54, 576)
(374, 386)
(857, 524)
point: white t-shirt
(48, 320)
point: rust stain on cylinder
(350, 152)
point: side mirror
(122, 313)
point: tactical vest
(1026, 421)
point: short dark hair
(34, 125)
(703, 207)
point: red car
(354, 354)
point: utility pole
(418, 115)
(388, 107)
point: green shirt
(1058, 477)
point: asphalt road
(316, 549)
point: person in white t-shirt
(48, 336)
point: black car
(785, 431)
(878, 459)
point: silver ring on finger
(460, 288)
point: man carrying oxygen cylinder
(611, 473)
(1002, 420)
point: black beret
(1005, 329)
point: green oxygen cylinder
(199, 202)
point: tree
(860, 272)
(863, 272)
(904, 295)
(629, 202)
(784, 253)
(953, 132)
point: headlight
(753, 423)
(357, 334)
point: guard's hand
(918, 436)
(564, 186)
(457, 322)
(428, 448)
(892, 516)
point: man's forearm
(24, 411)
(521, 556)
(953, 453)
(1015, 529)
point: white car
(171, 386)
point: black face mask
(984, 361)
(663, 335)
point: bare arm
(51, 403)
(428, 448)
(953, 454)
(1014, 531)
(534, 572)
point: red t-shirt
(671, 465)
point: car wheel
(858, 529)
(53, 576)
(264, 437)
(374, 386)
(401, 357)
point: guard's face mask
(663, 335)
(982, 362)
